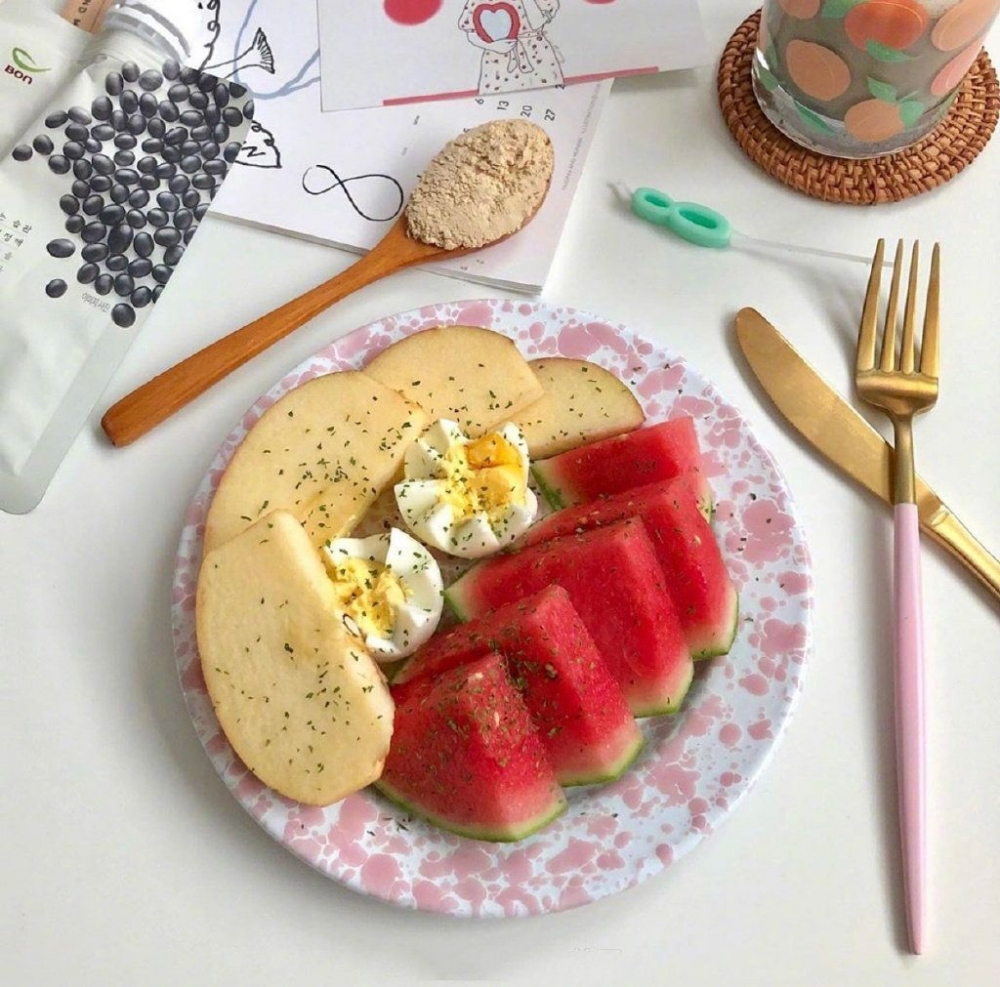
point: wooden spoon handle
(156, 400)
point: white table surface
(124, 859)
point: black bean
(120, 238)
(87, 273)
(136, 124)
(152, 146)
(83, 169)
(94, 252)
(113, 84)
(104, 284)
(124, 159)
(101, 108)
(111, 215)
(74, 150)
(77, 132)
(129, 102)
(43, 144)
(79, 115)
(248, 109)
(136, 219)
(59, 164)
(200, 210)
(128, 176)
(93, 232)
(220, 133)
(141, 297)
(172, 255)
(93, 204)
(157, 217)
(168, 111)
(69, 204)
(167, 236)
(147, 165)
(207, 82)
(123, 315)
(178, 93)
(131, 72)
(119, 194)
(199, 101)
(237, 90)
(119, 119)
(103, 165)
(171, 68)
(22, 152)
(138, 198)
(213, 115)
(150, 80)
(203, 181)
(100, 183)
(171, 155)
(103, 132)
(192, 163)
(126, 141)
(60, 248)
(149, 182)
(74, 224)
(156, 128)
(216, 167)
(55, 120)
(92, 146)
(179, 184)
(209, 150)
(124, 284)
(141, 267)
(166, 170)
(157, 291)
(221, 94)
(116, 262)
(232, 116)
(168, 201)
(188, 75)
(188, 148)
(189, 235)
(56, 288)
(143, 244)
(192, 118)
(80, 189)
(175, 136)
(162, 273)
(190, 198)
(183, 219)
(201, 133)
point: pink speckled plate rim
(695, 768)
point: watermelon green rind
(612, 770)
(670, 704)
(484, 833)
(546, 485)
(720, 645)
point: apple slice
(324, 452)
(472, 376)
(582, 403)
(303, 704)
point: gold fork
(902, 389)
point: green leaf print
(910, 111)
(813, 119)
(883, 53)
(882, 90)
(834, 9)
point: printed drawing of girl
(517, 54)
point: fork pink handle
(910, 762)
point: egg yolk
(483, 477)
(369, 592)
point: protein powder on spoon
(99, 198)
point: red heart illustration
(496, 22)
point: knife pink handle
(910, 707)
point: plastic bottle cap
(173, 26)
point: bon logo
(23, 67)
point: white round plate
(696, 766)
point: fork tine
(907, 356)
(930, 345)
(888, 360)
(869, 314)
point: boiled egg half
(388, 588)
(467, 497)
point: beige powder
(482, 186)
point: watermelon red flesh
(696, 578)
(466, 757)
(647, 455)
(576, 705)
(615, 583)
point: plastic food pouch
(99, 198)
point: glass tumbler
(861, 78)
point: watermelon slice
(647, 455)
(466, 757)
(576, 705)
(696, 578)
(615, 582)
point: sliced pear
(582, 403)
(323, 452)
(303, 704)
(473, 376)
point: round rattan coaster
(936, 159)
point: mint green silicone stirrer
(705, 227)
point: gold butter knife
(833, 427)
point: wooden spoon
(156, 400)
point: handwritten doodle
(322, 179)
